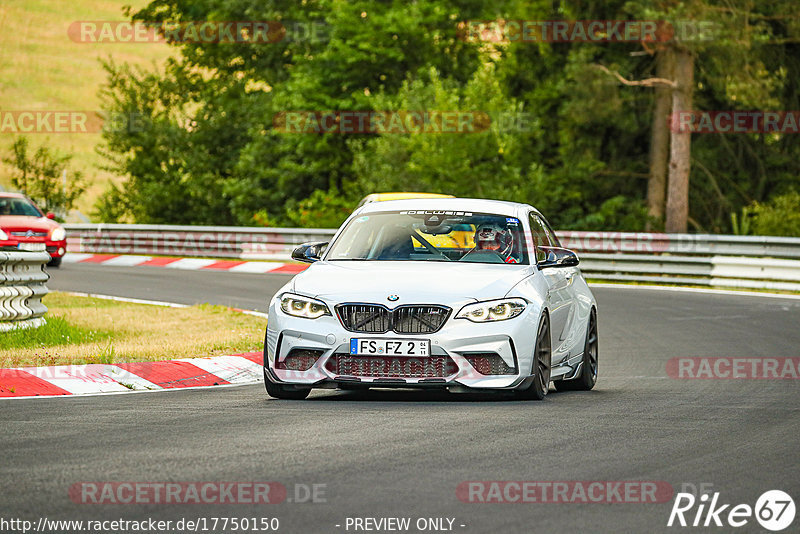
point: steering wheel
(482, 256)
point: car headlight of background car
(3, 236)
(305, 307)
(59, 234)
(492, 310)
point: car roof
(383, 197)
(478, 205)
(6, 194)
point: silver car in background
(458, 294)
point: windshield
(431, 236)
(18, 206)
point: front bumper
(56, 249)
(513, 340)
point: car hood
(25, 222)
(413, 282)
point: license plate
(389, 347)
(31, 247)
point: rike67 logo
(774, 510)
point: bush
(322, 209)
(40, 175)
(780, 216)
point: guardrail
(22, 279)
(754, 262)
(705, 259)
(191, 241)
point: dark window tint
(540, 236)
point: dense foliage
(44, 176)
(565, 135)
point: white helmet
(492, 236)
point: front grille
(24, 233)
(367, 318)
(391, 366)
(489, 363)
(377, 319)
(418, 319)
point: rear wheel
(541, 364)
(588, 377)
(279, 391)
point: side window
(540, 237)
(550, 233)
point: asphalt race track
(404, 453)
(246, 291)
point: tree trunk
(680, 145)
(659, 140)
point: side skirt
(568, 369)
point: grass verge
(83, 330)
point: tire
(540, 368)
(54, 262)
(280, 391)
(588, 377)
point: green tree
(205, 151)
(726, 46)
(44, 177)
(598, 134)
(479, 163)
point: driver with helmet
(494, 238)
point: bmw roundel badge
(393, 298)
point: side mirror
(558, 257)
(50, 215)
(309, 252)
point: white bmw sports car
(462, 294)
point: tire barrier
(22, 286)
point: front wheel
(588, 377)
(541, 364)
(279, 391)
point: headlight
(305, 307)
(58, 234)
(492, 310)
(3, 235)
